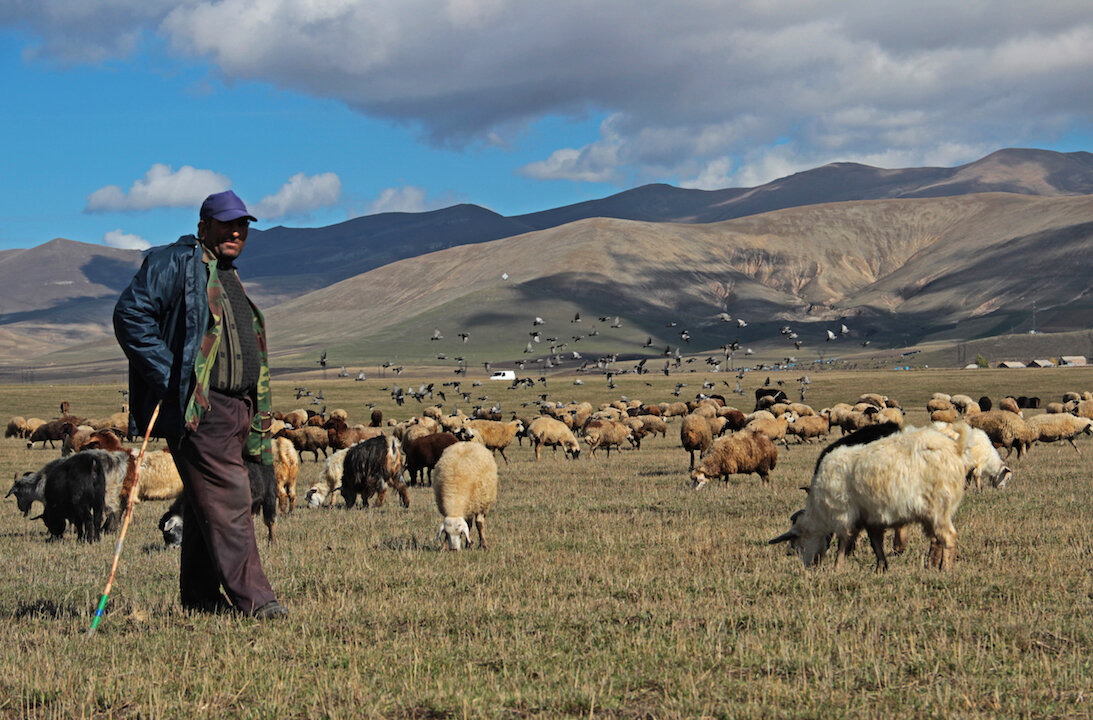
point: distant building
(1041, 363)
(971, 366)
(1011, 364)
(1073, 360)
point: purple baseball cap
(225, 207)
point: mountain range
(897, 257)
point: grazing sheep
(914, 475)
(50, 431)
(979, 453)
(308, 439)
(738, 454)
(875, 399)
(1009, 404)
(495, 435)
(286, 468)
(949, 416)
(1061, 426)
(341, 436)
(158, 479)
(17, 427)
(607, 434)
(465, 487)
(329, 481)
(1054, 408)
(368, 468)
(1005, 429)
(985, 403)
(548, 432)
(767, 396)
(78, 439)
(775, 429)
(1083, 408)
(807, 427)
(695, 436)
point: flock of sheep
(878, 475)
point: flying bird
(537, 321)
(831, 336)
(463, 336)
(724, 317)
(741, 322)
(576, 318)
(436, 334)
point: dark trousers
(218, 545)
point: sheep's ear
(784, 537)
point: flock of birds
(558, 353)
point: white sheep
(329, 480)
(465, 486)
(1062, 426)
(494, 434)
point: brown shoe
(270, 610)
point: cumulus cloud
(692, 87)
(408, 199)
(125, 241)
(161, 186)
(300, 195)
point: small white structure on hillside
(1011, 364)
(1076, 360)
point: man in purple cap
(197, 346)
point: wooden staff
(124, 524)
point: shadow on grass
(45, 609)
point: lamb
(1062, 426)
(914, 475)
(695, 436)
(369, 467)
(965, 405)
(495, 435)
(654, 426)
(1005, 429)
(308, 439)
(548, 432)
(608, 434)
(738, 454)
(465, 487)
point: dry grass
(610, 589)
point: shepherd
(197, 343)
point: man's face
(225, 240)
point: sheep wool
(465, 487)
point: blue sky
(120, 115)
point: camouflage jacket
(167, 322)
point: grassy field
(610, 590)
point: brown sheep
(695, 436)
(286, 468)
(550, 432)
(809, 426)
(738, 454)
(308, 439)
(495, 435)
(422, 454)
(341, 436)
(606, 434)
(1005, 429)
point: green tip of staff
(97, 618)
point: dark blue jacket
(159, 321)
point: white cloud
(161, 187)
(300, 195)
(125, 241)
(693, 87)
(408, 199)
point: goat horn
(784, 537)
